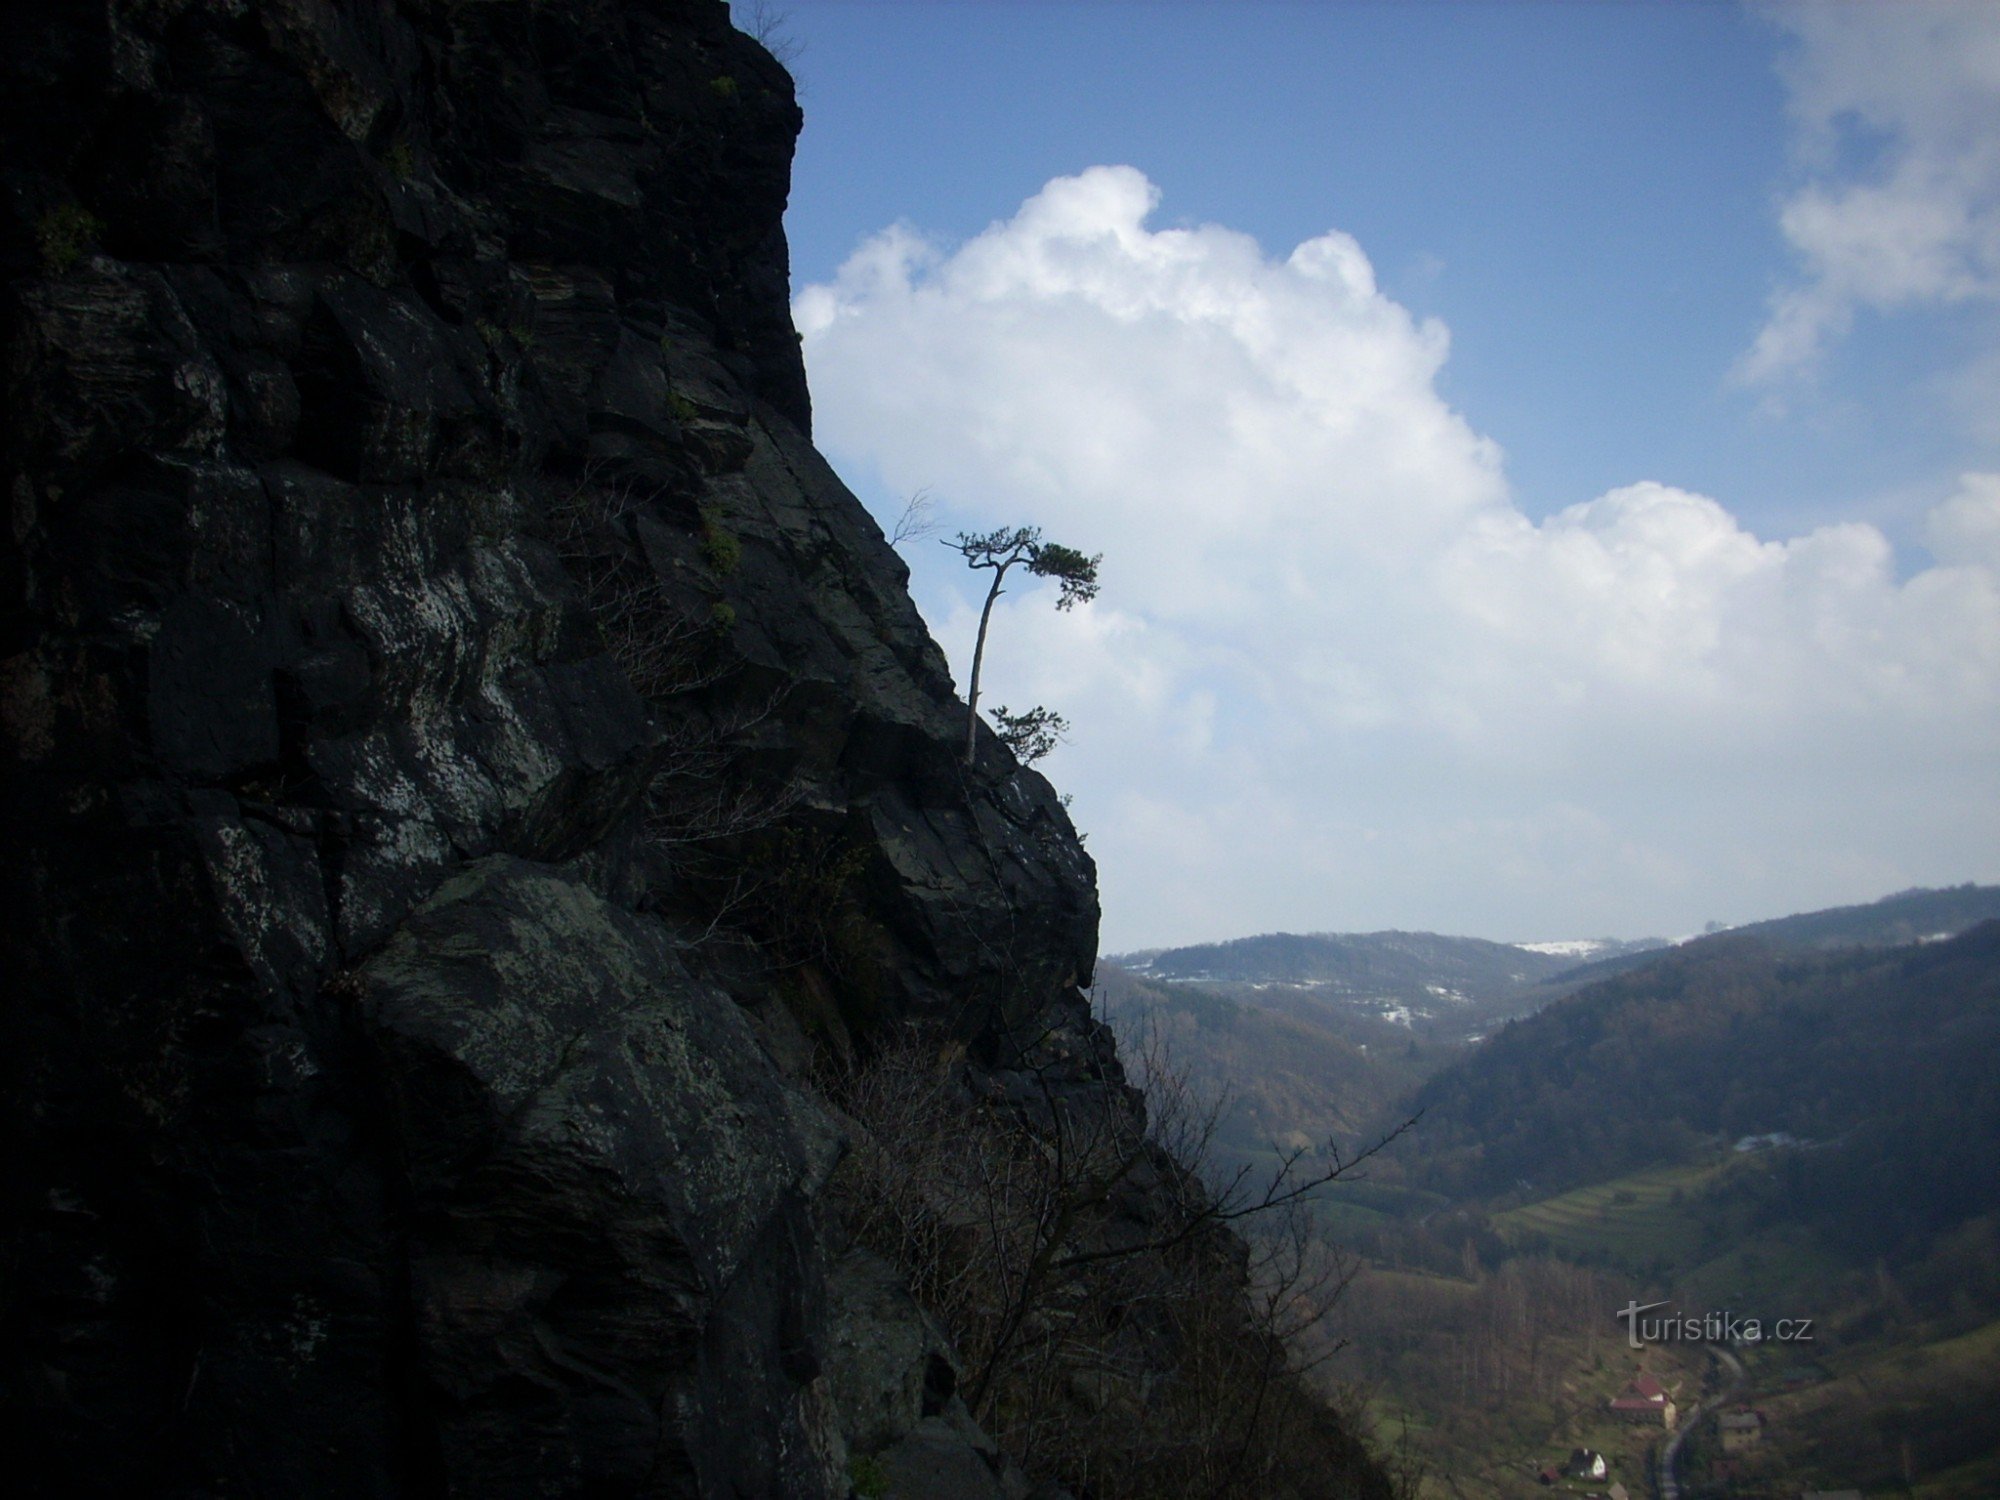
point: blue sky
(1735, 268)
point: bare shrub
(771, 26)
(1114, 1332)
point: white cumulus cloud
(1336, 678)
(1898, 112)
(1966, 528)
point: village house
(1740, 1429)
(1645, 1400)
(1586, 1463)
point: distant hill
(1883, 1065)
(1320, 1034)
(1360, 963)
(1913, 916)
(1308, 1037)
(1286, 1073)
(1444, 987)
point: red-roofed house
(1645, 1400)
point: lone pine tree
(999, 551)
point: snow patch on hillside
(1567, 948)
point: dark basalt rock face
(466, 752)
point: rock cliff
(469, 761)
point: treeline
(1885, 1062)
(1894, 921)
(1488, 1364)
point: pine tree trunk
(978, 653)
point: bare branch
(1108, 1331)
(771, 26)
(917, 521)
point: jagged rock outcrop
(468, 761)
(466, 752)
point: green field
(1660, 1225)
(1642, 1222)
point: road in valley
(1666, 1475)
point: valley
(1795, 1123)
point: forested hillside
(1361, 962)
(1879, 1064)
(1912, 916)
(1282, 1070)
